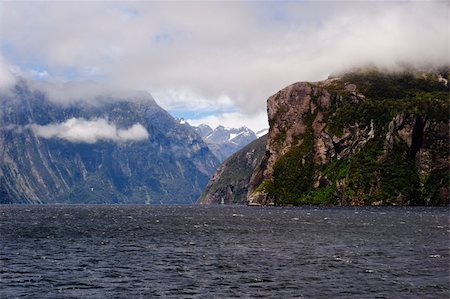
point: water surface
(217, 252)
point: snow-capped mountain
(224, 141)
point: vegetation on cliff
(365, 138)
(229, 184)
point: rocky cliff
(229, 185)
(361, 138)
(124, 150)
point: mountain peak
(224, 141)
(116, 151)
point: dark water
(220, 252)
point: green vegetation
(366, 177)
(434, 105)
(293, 175)
(432, 184)
(237, 172)
(376, 85)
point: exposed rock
(223, 141)
(230, 183)
(361, 138)
(171, 165)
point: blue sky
(215, 62)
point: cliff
(361, 138)
(118, 150)
(229, 185)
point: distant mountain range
(118, 150)
(224, 141)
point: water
(220, 252)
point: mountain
(117, 150)
(203, 130)
(362, 138)
(365, 137)
(223, 141)
(230, 183)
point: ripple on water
(191, 251)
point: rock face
(123, 151)
(364, 138)
(229, 185)
(223, 141)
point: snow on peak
(181, 121)
(232, 135)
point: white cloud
(255, 122)
(136, 132)
(189, 100)
(196, 54)
(6, 77)
(87, 91)
(80, 130)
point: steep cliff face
(123, 151)
(359, 139)
(229, 185)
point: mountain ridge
(229, 185)
(224, 141)
(169, 165)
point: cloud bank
(254, 122)
(226, 55)
(87, 91)
(6, 78)
(79, 130)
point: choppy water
(194, 251)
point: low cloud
(6, 78)
(254, 122)
(79, 130)
(177, 99)
(217, 54)
(91, 92)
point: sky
(214, 62)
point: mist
(79, 130)
(92, 92)
(231, 56)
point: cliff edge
(361, 138)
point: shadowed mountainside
(230, 183)
(171, 165)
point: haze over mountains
(224, 141)
(72, 126)
(65, 143)
(114, 150)
(215, 63)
